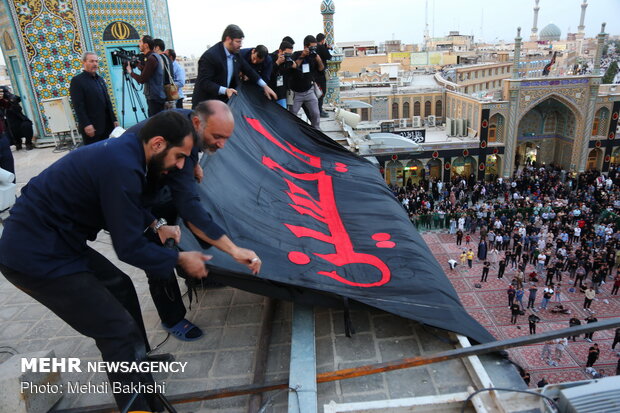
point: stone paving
(489, 306)
(230, 319)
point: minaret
(332, 97)
(599, 50)
(426, 37)
(534, 35)
(517, 55)
(582, 26)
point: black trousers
(101, 304)
(485, 274)
(321, 80)
(179, 104)
(155, 106)
(164, 288)
(532, 328)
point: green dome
(550, 32)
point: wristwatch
(160, 223)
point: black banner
(416, 135)
(322, 220)
(484, 142)
(611, 136)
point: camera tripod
(129, 89)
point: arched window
(416, 108)
(427, 108)
(595, 126)
(492, 133)
(406, 110)
(438, 108)
(395, 110)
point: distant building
(454, 42)
(494, 118)
(550, 33)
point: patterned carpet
(489, 305)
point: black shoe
(29, 147)
(18, 148)
(324, 114)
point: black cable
(549, 399)
(159, 345)
(266, 404)
(10, 348)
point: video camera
(121, 57)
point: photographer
(6, 156)
(281, 71)
(308, 63)
(151, 76)
(91, 102)
(322, 49)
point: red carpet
(489, 305)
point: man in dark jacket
(259, 60)
(213, 124)
(219, 68)
(44, 251)
(6, 156)
(91, 102)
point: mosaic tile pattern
(100, 14)
(51, 36)
(160, 20)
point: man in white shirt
(541, 261)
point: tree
(611, 72)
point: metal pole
(376, 368)
(262, 352)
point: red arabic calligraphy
(324, 210)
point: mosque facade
(569, 121)
(43, 41)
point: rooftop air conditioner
(459, 127)
(417, 122)
(402, 123)
(450, 127)
(430, 121)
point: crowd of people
(555, 233)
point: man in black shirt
(308, 62)
(322, 49)
(283, 64)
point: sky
(199, 23)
